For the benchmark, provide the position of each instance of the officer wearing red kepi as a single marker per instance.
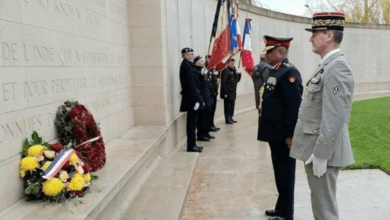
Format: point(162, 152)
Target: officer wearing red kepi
point(277, 118)
point(321, 137)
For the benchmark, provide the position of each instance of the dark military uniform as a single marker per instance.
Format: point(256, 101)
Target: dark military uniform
point(279, 112)
point(229, 80)
point(190, 96)
point(214, 93)
point(204, 114)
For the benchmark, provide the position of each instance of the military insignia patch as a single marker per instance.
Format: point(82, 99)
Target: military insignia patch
point(315, 80)
point(292, 79)
point(271, 81)
point(336, 89)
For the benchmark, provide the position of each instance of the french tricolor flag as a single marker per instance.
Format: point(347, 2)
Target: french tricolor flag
point(58, 163)
point(236, 42)
point(247, 58)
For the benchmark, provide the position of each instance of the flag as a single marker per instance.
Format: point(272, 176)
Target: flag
point(235, 35)
point(220, 35)
point(247, 58)
point(58, 163)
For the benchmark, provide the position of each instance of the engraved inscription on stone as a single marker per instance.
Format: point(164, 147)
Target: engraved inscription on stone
point(46, 55)
point(117, 9)
point(20, 128)
point(102, 103)
point(45, 87)
point(67, 9)
point(8, 90)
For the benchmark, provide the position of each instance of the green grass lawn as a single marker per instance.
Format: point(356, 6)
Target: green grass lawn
point(369, 130)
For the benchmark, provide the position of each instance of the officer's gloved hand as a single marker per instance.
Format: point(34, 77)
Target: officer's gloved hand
point(319, 165)
point(225, 96)
point(196, 107)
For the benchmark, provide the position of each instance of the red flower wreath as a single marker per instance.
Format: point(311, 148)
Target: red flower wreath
point(76, 124)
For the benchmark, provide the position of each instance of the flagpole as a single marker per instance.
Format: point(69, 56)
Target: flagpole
point(215, 25)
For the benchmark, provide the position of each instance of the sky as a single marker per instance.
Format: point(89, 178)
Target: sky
point(295, 7)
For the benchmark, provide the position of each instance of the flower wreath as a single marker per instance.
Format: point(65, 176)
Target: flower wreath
point(51, 172)
point(76, 125)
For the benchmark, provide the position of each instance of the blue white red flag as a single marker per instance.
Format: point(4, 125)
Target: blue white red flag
point(58, 163)
point(235, 34)
point(247, 58)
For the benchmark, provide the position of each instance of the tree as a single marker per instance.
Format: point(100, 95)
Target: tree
point(360, 11)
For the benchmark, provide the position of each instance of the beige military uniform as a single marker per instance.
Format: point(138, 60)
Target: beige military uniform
point(322, 127)
point(322, 130)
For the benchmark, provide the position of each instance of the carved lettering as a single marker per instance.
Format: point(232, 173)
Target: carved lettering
point(94, 58)
point(35, 89)
point(111, 80)
point(68, 85)
point(66, 56)
point(106, 102)
point(67, 9)
point(20, 128)
point(38, 53)
point(93, 19)
point(3, 133)
point(117, 9)
point(9, 91)
point(9, 51)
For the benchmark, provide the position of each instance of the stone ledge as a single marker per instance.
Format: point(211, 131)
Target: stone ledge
point(165, 192)
point(131, 158)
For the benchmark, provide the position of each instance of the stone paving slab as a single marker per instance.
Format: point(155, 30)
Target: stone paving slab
point(234, 181)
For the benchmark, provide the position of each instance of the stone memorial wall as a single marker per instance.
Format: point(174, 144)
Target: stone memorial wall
point(52, 51)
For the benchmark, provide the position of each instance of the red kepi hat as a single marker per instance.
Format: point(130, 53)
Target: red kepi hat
point(272, 42)
point(328, 21)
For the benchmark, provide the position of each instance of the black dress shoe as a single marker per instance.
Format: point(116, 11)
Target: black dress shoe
point(234, 121)
point(213, 129)
point(229, 122)
point(279, 218)
point(271, 212)
point(200, 147)
point(203, 139)
point(194, 149)
point(210, 137)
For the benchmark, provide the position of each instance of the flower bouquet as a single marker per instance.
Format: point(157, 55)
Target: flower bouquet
point(52, 172)
point(76, 125)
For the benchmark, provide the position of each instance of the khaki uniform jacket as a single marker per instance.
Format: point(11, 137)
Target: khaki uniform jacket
point(322, 127)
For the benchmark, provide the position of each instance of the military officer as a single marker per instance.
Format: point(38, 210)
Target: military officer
point(214, 94)
point(229, 79)
point(321, 137)
point(191, 97)
point(205, 91)
point(259, 75)
point(277, 119)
